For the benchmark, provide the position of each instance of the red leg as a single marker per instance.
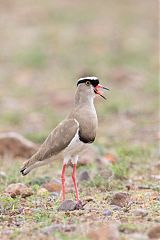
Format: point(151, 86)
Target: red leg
point(74, 181)
point(63, 182)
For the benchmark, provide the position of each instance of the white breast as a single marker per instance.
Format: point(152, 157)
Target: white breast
point(75, 146)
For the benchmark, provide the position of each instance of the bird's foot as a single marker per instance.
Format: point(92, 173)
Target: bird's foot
point(79, 205)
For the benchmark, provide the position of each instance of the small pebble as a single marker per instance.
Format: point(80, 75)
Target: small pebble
point(18, 189)
point(53, 186)
point(120, 199)
point(115, 208)
point(107, 212)
point(140, 213)
point(67, 205)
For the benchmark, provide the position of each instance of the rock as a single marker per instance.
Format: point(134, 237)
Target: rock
point(14, 144)
point(42, 192)
point(115, 208)
point(53, 186)
point(58, 227)
point(140, 213)
point(107, 212)
point(18, 189)
point(105, 232)
point(120, 199)
point(84, 176)
point(67, 205)
point(154, 232)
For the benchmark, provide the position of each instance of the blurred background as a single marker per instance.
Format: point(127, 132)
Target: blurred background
point(47, 45)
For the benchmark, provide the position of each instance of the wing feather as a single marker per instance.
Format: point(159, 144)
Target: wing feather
point(58, 139)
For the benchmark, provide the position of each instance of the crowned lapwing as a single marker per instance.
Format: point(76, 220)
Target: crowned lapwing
point(71, 136)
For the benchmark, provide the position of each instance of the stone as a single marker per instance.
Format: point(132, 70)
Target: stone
point(154, 232)
point(120, 199)
point(84, 176)
point(107, 212)
point(18, 189)
point(67, 205)
point(15, 145)
point(53, 186)
point(140, 213)
point(105, 232)
point(115, 208)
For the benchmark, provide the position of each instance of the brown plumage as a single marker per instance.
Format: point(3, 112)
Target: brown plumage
point(69, 138)
point(56, 142)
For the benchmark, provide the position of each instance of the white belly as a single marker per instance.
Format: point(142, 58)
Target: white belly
point(75, 146)
point(73, 149)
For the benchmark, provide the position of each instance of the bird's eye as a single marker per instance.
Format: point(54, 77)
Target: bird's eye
point(88, 83)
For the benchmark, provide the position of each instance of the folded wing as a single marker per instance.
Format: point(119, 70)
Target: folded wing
point(55, 143)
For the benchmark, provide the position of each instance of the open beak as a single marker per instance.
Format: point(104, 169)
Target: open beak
point(98, 91)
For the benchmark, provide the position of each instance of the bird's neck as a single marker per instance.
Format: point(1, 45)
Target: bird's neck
point(82, 100)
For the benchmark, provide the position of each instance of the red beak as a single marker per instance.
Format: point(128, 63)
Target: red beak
point(97, 91)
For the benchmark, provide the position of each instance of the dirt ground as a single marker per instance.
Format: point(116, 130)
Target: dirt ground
point(45, 47)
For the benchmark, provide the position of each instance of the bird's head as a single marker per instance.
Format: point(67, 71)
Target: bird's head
point(91, 86)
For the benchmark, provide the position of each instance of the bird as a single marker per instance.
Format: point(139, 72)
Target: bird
point(72, 135)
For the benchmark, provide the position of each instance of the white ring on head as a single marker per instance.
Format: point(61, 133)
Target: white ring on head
point(88, 78)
